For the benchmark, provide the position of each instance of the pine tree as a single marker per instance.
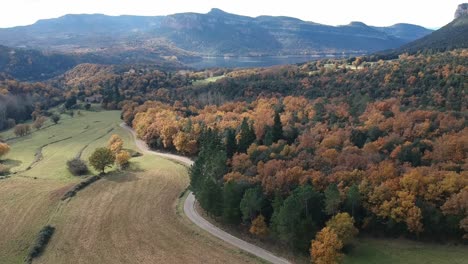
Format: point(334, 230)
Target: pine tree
point(353, 200)
point(268, 139)
point(277, 130)
point(251, 204)
point(211, 197)
point(332, 199)
point(247, 136)
point(231, 145)
point(232, 196)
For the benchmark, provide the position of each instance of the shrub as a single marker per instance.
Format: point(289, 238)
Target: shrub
point(39, 122)
point(4, 170)
point(22, 130)
point(41, 242)
point(55, 118)
point(80, 186)
point(4, 149)
point(77, 167)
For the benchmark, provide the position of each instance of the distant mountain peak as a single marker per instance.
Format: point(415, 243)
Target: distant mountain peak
point(357, 24)
point(462, 10)
point(217, 11)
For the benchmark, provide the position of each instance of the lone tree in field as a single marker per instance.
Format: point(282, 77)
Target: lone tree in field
point(101, 159)
point(22, 130)
point(4, 148)
point(55, 118)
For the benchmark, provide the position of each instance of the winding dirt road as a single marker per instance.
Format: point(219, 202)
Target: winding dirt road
point(192, 214)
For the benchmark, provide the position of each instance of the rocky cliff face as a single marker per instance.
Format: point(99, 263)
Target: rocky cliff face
point(462, 10)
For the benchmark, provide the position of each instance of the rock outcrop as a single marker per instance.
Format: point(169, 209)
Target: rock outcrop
point(462, 10)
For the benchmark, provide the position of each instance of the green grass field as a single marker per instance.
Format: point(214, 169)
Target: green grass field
point(387, 251)
point(207, 80)
point(89, 128)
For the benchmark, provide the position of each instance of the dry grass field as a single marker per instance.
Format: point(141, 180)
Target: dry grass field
point(126, 217)
point(131, 218)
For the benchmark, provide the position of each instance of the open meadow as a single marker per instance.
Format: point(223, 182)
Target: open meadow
point(126, 217)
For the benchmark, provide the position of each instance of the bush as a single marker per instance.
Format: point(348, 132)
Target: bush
point(4, 170)
point(77, 167)
point(55, 118)
point(80, 186)
point(22, 130)
point(4, 149)
point(41, 242)
point(39, 122)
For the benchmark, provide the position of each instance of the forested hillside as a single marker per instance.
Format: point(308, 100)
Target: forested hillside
point(435, 81)
point(19, 100)
point(288, 150)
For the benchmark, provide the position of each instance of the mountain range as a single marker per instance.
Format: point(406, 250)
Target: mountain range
point(451, 36)
point(217, 33)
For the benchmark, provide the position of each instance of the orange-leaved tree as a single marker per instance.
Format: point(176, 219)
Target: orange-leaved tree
point(122, 159)
point(115, 144)
point(325, 249)
point(4, 148)
point(343, 225)
point(259, 227)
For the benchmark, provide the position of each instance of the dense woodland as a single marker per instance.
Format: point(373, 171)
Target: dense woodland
point(285, 150)
point(19, 100)
point(434, 81)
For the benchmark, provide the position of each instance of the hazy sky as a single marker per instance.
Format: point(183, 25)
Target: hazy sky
point(428, 13)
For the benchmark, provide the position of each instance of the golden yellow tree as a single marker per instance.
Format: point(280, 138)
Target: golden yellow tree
point(4, 148)
point(122, 158)
point(115, 144)
point(343, 225)
point(259, 227)
point(325, 249)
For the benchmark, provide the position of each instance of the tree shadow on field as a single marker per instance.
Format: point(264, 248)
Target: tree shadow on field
point(122, 176)
point(11, 163)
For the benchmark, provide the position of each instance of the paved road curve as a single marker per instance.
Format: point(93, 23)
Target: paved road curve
point(192, 214)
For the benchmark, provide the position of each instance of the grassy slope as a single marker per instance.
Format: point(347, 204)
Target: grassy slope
point(125, 217)
point(27, 204)
point(84, 129)
point(130, 218)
